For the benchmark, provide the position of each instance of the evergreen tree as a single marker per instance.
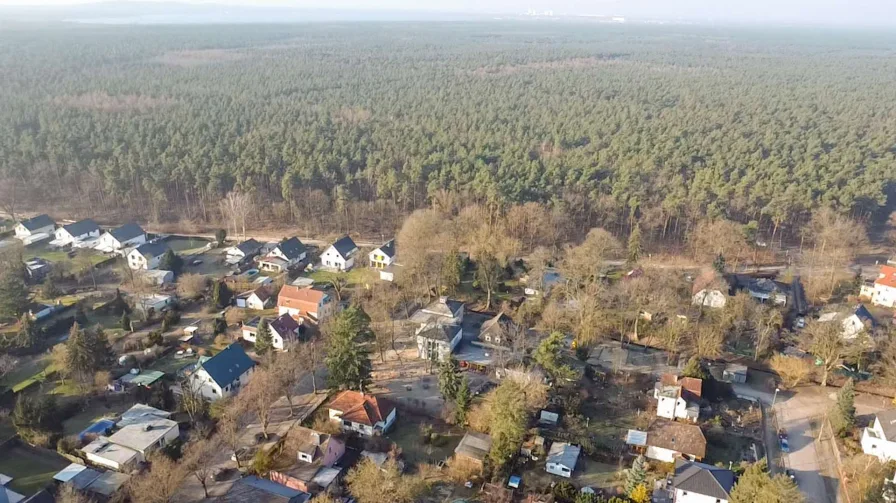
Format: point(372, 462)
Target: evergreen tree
point(347, 361)
point(634, 245)
point(171, 261)
point(462, 401)
point(719, 264)
point(125, 322)
point(220, 236)
point(843, 416)
point(220, 326)
point(263, 337)
point(27, 335)
point(449, 378)
point(452, 271)
point(13, 292)
point(756, 485)
point(694, 369)
point(221, 294)
point(548, 354)
point(636, 476)
point(49, 289)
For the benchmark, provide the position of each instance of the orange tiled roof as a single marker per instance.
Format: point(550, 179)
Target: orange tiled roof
point(304, 299)
point(362, 408)
point(887, 276)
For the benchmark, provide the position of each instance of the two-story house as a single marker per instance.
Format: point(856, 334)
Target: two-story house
point(306, 303)
point(701, 483)
point(35, 229)
point(284, 330)
point(678, 398)
point(436, 342)
point(883, 291)
point(224, 374)
point(498, 330)
point(285, 255)
point(340, 255)
point(243, 252)
point(361, 412)
point(443, 311)
point(879, 439)
point(316, 454)
point(117, 239)
point(384, 256)
point(80, 231)
point(147, 256)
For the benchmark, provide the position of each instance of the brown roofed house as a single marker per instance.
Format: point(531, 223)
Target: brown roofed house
point(669, 440)
point(305, 303)
point(367, 414)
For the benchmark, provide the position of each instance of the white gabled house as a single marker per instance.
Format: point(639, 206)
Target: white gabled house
point(258, 299)
point(147, 256)
point(71, 234)
point(678, 398)
point(562, 459)
point(117, 239)
point(224, 374)
point(879, 439)
point(384, 256)
point(285, 255)
point(284, 330)
point(438, 341)
point(244, 251)
point(701, 483)
point(35, 229)
point(883, 291)
point(361, 412)
point(340, 255)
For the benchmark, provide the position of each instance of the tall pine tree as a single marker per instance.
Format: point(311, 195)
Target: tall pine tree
point(13, 292)
point(263, 337)
point(636, 475)
point(449, 378)
point(843, 417)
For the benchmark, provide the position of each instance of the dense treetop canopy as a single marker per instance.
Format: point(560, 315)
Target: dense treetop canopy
point(664, 124)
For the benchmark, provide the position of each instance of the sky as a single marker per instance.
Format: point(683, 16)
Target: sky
point(835, 12)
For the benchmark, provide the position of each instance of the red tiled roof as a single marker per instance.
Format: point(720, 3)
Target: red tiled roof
point(362, 408)
point(691, 387)
point(887, 276)
point(304, 299)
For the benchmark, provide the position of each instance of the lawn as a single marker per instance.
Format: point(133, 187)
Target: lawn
point(186, 245)
point(56, 255)
point(95, 411)
point(170, 365)
point(723, 448)
point(30, 469)
point(356, 276)
point(35, 369)
point(407, 434)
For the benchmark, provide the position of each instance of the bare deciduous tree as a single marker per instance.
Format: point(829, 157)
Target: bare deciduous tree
point(159, 484)
point(235, 207)
point(199, 460)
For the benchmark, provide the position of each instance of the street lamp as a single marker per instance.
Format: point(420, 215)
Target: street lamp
point(775, 399)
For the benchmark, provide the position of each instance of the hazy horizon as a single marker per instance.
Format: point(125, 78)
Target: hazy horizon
point(803, 12)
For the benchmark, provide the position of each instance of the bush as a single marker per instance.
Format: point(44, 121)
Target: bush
point(68, 445)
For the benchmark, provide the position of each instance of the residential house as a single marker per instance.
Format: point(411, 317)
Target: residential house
point(147, 256)
point(678, 398)
point(152, 302)
point(252, 489)
point(340, 255)
point(306, 303)
point(879, 439)
point(701, 483)
point(764, 289)
point(117, 239)
point(438, 341)
point(853, 322)
point(474, 448)
point(562, 458)
point(104, 453)
point(669, 440)
point(735, 373)
point(287, 254)
point(224, 374)
point(384, 256)
point(710, 290)
point(258, 299)
point(145, 429)
point(498, 330)
point(243, 252)
point(71, 234)
point(37, 269)
point(361, 412)
point(884, 291)
point(284, 330)
point(97, 485)
point(35, 229)
point(156, 277)
point(443, 311)
point(549, 279)
point(315, 452)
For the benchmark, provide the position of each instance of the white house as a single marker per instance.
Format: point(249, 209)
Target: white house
point(438, 341)
point(670, 440)
point(880, 438)
point(35, 229)
point(117, 239)
point(361, 412)
point(340, 255)
point(104, 453)
point(82, 230)
point(147, 256)
point(443, 311)
point(678, 398)
point(243, 251)
point(285, 255)
point(151, 301)
point(306, 303)
point(884, 289)
point(562, 459)
point(710, 298)
point(384, 256)
point(258, 299)
point(145, 429)
point(700, 483)
point(855, 322)
point(284, 330)
point(224, 374)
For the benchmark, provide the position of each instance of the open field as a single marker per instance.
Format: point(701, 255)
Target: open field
point(30, 469)
point(35, 369)
point(56, 255)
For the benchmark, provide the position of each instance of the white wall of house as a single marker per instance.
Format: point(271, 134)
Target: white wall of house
point(884, 296)
point(691, 497)
point(208, 388)
point(279, 254)
point(332, 259)
point(108, 241)
point(558, 469)
point(874, 443)
point(253, 302)
point(23, 233)
point(137, 261)
point(661, 454)
point(671, 408)
point(64, 237)
point(379, 260)
point(101, 461)
point(445, 348)
point(380, 427)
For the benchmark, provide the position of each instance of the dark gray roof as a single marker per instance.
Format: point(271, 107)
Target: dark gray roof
point(150, 250)
point(291, 248)
point(440, 332)
point(82, 227)
point(474, 445)
point(255, 490)
point(127, 231)
point(37, 222)
point(228, 365)
point(887, 420)
point(865, 315)
point(703, 479)
point(249, 246)
point(345, 246)
point(501, 325)
point(388, 249)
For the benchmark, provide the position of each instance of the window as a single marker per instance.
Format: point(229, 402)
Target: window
point(346, 422)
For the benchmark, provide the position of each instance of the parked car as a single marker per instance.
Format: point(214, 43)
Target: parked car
point(785, 445)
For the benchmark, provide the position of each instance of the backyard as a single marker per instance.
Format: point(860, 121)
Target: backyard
point(95, 410)
point(31, 369)
point(30, 468)
point(408, 433)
